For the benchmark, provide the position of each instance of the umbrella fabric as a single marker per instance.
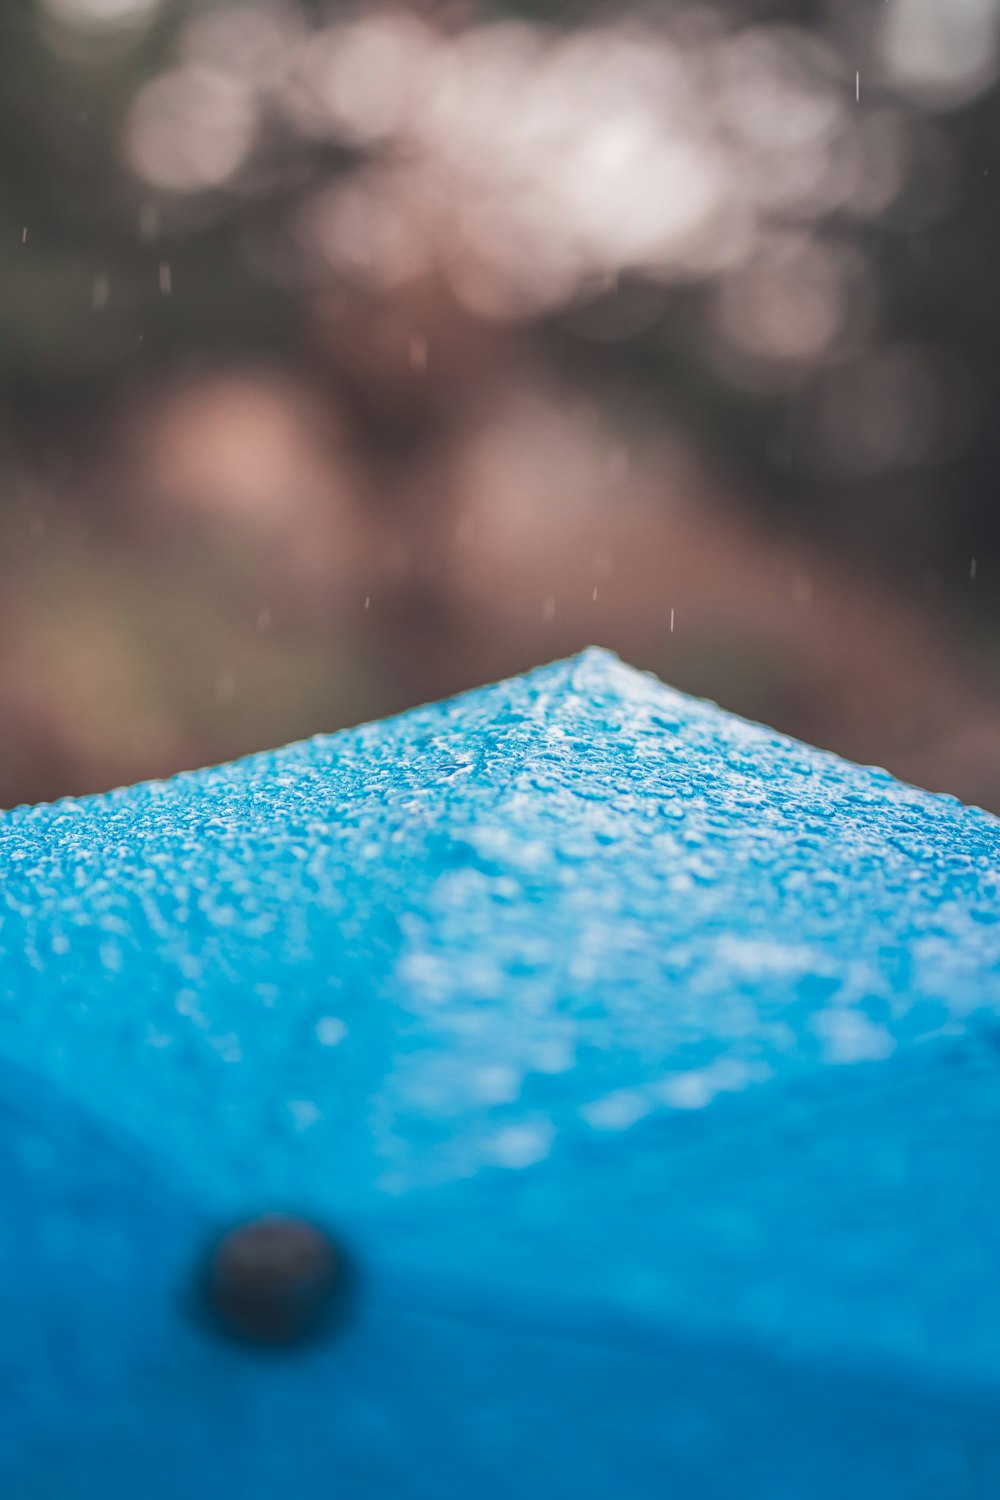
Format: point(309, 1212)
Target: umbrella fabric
point(646, 1062)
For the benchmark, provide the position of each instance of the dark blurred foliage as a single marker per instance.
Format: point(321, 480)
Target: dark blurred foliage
point(301, 303)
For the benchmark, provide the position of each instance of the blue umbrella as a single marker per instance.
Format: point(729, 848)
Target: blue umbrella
point(569, 1090)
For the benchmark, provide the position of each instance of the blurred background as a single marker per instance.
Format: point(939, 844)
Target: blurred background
point(351, 356)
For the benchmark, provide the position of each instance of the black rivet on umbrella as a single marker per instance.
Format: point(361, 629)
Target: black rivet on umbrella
point(276, 1280)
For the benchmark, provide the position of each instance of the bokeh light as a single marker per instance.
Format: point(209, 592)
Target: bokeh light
point(794, 301)
point(190, 129)
point(941, 55)
point(100, 15)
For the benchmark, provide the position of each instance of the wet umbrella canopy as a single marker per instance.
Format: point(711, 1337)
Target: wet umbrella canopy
point(568, 1090)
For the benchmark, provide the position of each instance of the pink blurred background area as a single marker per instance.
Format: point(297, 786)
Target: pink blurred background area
point(359, 356)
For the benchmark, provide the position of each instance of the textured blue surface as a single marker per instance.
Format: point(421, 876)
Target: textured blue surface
point(648, 1060)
